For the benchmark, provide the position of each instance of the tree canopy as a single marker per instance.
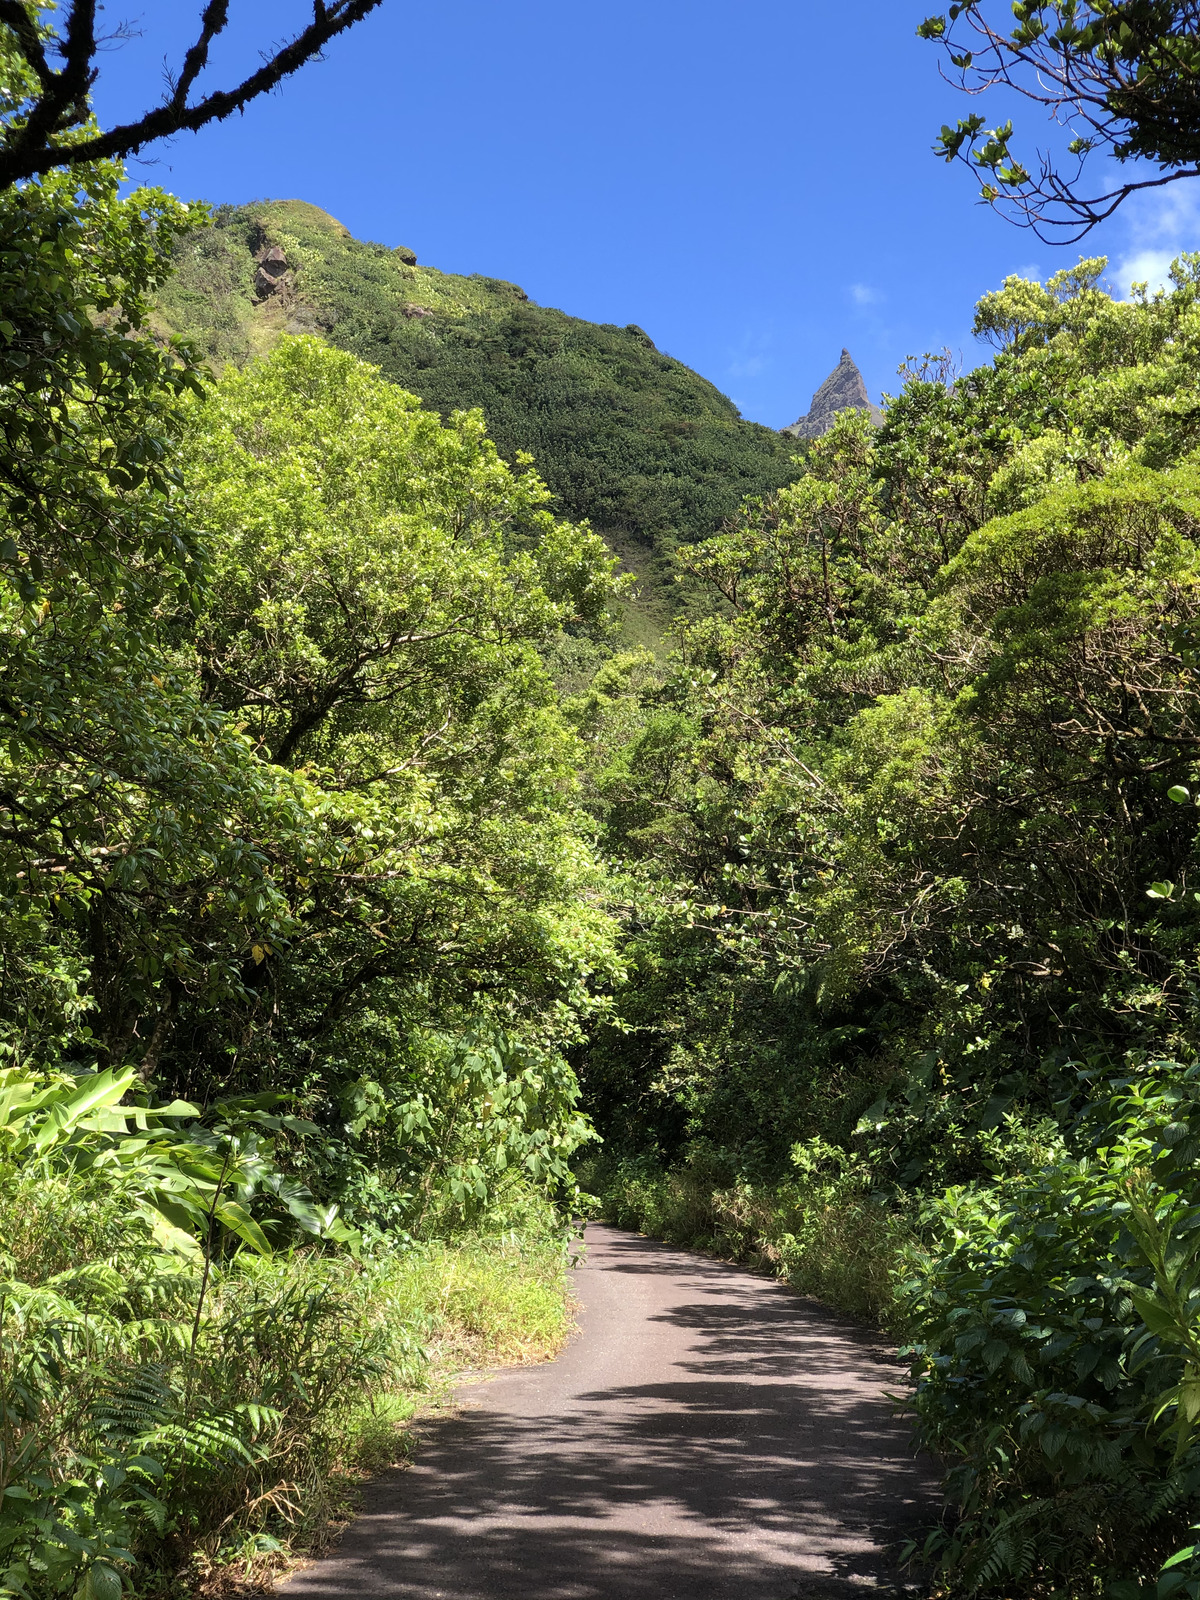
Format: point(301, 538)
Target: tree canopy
point(907, 835)
point(361, 895)
point(283, 761)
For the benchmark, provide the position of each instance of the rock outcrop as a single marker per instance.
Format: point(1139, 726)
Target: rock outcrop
point(271, 274)
point(843, 390)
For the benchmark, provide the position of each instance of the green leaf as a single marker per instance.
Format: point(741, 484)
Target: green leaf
point(238, 1220)
point(1158, 1317)
point(101, 1582)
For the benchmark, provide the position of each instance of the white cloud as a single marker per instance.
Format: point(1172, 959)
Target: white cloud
point(752, 355)
point(863, 295)
point(1031, 271)
point(1147, 266)
point(1161, 224)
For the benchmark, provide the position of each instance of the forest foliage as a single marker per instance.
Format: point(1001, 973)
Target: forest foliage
point(361, 893)
point(906, 839)
point(298, 911)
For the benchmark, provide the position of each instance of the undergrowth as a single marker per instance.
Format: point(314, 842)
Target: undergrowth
point(820, 1233)
point(159, 1432)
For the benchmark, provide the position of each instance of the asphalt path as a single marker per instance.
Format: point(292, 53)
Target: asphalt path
point(707, 1435)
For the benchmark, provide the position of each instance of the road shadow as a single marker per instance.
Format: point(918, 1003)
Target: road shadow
point(738, 1284)
point(761, 1464)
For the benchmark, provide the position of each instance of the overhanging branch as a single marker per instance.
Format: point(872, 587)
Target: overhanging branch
point(62, 94)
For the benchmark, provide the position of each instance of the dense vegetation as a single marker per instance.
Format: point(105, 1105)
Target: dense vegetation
point(627, 437)
point(907, 842)
point(298, 910)
point(353, 876)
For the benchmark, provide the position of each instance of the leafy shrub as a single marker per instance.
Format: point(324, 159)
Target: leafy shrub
point(1057, 1355)
point(131, 1446)
point(824, 1233)
point(170, 1396)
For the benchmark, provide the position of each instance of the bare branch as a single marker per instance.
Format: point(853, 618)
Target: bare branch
point(62, 101)
point(213, 22)
point(1116, 76)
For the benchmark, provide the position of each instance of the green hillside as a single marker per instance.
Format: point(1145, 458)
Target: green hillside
point(651, 452)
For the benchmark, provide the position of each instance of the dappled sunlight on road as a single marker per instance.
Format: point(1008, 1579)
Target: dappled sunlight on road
point(708, 1434)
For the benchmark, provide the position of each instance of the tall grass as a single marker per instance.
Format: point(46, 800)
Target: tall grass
point(822, 1234)
point(153, 1434)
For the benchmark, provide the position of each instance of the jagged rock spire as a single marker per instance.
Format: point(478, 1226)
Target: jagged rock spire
point(843, 390)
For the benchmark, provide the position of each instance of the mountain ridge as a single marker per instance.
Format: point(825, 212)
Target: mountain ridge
point(650, 452)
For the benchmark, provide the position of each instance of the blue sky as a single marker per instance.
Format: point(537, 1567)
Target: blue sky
point(751, 183)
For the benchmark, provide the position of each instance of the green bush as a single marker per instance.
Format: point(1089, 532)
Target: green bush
point(1057, 1357)
point(176, 1396)
point(824, 1233)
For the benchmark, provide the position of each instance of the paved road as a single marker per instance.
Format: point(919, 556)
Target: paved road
point(706, 1436)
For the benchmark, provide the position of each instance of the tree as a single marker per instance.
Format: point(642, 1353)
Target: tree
point(884, 775)
point(284, 786)
point(46, 119)
point(1121, 77)
point(114, 779)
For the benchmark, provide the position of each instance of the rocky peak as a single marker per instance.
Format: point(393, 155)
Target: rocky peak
point(843, 390)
